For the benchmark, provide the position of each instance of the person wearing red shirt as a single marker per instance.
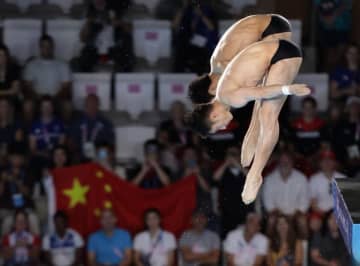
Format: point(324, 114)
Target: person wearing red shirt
point(21, 248)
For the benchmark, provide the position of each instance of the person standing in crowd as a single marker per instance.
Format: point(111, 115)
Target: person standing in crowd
point(47, 75)
point(320, 183)
point(106, 36)
point(230, 178)
point(154, 246)
point(246, 245)
point(285, 248)
point(328, 247)
point(195, 37)
point(47, 131)
point(65, 246)
point(152, 174)
point(21, 247)
point(10, 132)
point(199, 246)
point(286, 189)
point(191, 165)
point(16, 189)
point(92, 128)
point(109, 246)
point(308, 128)
point(345, 79)
point(10, 75)
point(333, 30)
point(175, 125)
point(351, 136)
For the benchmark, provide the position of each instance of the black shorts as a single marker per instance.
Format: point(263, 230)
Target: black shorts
point(286, 50)
point(278, 24)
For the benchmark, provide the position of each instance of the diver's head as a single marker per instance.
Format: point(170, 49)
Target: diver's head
point(202, 90)
point(209, 118)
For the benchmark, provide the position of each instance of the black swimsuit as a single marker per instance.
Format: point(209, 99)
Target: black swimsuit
point(278, 24)
point(286, 50)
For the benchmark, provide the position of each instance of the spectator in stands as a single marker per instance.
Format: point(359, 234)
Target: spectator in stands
point(175, 126)
point(65, 246)
point(10, 132)
point(328, 248)
point(47, 131)
point(334, 138)
point(16, 187)
point(106, 36)
point(10, 75)
point(195, 37)
point(105, 156)
point(154, 246)
point(46, 75)
point(92, 128)
point(345, 79)
point(110, 245)
point(152, 174)
point(246, 245)
point(320, 183)
point(21, 247)
point(199, 246)
point(285, 248)
point(286, 189)
point(27, 115)
point(230, 177)
point(333, 29)
point(191, 165)
point(351, 136)
point(308, 131)
point(60, 157)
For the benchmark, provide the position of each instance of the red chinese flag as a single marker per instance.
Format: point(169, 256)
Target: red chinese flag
point(84, 190)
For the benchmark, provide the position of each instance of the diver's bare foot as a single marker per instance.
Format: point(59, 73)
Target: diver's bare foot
point(251, 188)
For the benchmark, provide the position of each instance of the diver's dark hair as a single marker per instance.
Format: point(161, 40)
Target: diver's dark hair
point(198, 120)
point(199, 90)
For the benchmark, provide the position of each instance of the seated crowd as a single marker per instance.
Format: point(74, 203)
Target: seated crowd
point(292, 223)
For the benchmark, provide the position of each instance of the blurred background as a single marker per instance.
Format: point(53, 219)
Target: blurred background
point(103, 83)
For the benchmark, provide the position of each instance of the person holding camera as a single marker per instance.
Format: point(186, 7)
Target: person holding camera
point(152, 174)
point(230, 177)
point(154, 246)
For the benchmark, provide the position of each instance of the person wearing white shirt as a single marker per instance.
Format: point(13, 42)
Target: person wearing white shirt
point(154, 247)
point(246, 246)
point(320, 183)
point(286, 189)
point(46, 75)
point(64, 247)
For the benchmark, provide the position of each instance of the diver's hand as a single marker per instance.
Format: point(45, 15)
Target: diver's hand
point(298, 89)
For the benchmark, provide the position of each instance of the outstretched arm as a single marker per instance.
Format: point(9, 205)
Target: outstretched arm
point(241, 96)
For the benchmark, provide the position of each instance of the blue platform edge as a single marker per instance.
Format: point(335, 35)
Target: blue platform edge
point(349, 231)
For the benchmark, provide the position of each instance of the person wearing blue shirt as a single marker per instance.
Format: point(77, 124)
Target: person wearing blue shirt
point(345, 79)
point(109, 246)
point(91, 129)
point(47, 132)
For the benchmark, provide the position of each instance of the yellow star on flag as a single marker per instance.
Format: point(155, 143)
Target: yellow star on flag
point(99, 174)
point(77, 193)
point(107, 188)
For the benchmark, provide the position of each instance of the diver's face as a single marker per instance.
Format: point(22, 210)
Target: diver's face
point(220, 117)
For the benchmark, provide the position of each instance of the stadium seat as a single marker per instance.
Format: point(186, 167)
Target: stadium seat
point(65, 5)
point(94, 83)
point(224, 25)
point(66, 34)
point(296, 26)
point(173, 87)
point(135, 93)
point(130, 140)
point(149, 4)
point(22, 37)
point(152, 39)
point(319, 84)
point(23, 5)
